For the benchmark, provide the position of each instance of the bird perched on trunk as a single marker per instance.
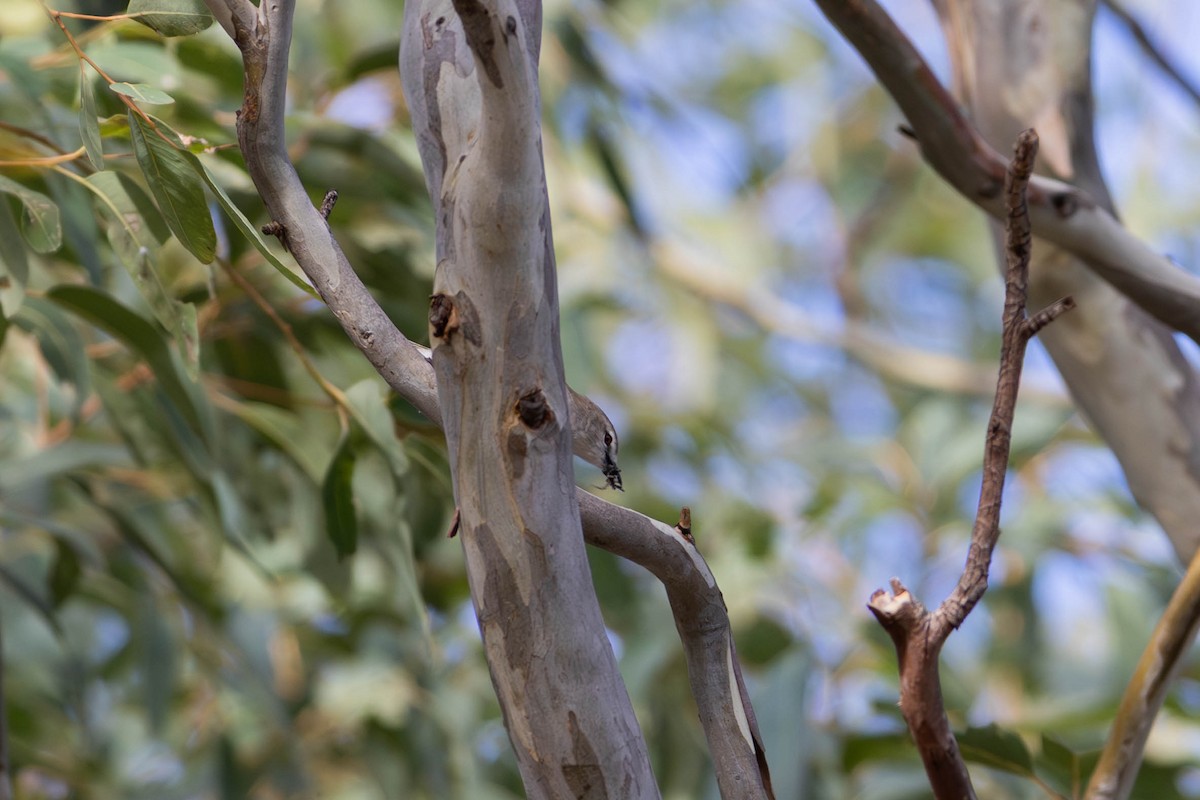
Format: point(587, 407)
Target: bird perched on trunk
point(593, 437)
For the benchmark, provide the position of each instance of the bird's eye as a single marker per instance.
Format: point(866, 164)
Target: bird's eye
point(607, 439)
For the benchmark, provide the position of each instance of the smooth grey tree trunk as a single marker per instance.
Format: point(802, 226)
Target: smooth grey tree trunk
point(470, 77)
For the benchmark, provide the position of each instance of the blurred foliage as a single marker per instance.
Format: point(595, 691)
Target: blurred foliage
point(219, 580)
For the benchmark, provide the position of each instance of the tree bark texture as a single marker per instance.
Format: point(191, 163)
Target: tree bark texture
point(1027, 63)
point(470, 76)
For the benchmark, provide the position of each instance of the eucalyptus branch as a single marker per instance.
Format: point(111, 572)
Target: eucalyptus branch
point(1061, 214)
point(1153, 50)
point(701, 617)
point(1144, 694)
point(917, 633)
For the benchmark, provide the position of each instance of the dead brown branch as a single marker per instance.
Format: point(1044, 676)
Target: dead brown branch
point(917, 633)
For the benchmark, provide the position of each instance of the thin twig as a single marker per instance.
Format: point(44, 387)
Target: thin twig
point(1018, 246)
point(335, 394)
point(34, 135)
point(79, 52)
point(917, 633)
point(46, 161)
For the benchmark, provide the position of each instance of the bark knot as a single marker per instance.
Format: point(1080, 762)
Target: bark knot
point(443, 319)
point(1065, 204)
point(533, 409)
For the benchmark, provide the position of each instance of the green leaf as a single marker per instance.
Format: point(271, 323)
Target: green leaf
point(140, 336)
point(759, 643)
point(1062, 767)
point(89, 124)
point(35, 601)
point(14, 264)
point(143, 93)
point(234, 781)
point(996, 748)
point(81, 541)
point(64, 573)
point(72, 455)
point(337, 497)
point(368, 404)
point(253, 234)
point(285, 430)
point(171, 17)
point(156, 662)
point(136, 231)
point(174, 182)
point(134, 61)
point(60, 343)
point(40, 221)
point(187, 338)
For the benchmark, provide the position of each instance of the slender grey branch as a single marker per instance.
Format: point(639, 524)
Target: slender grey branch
point(1153, 50)
point(1160, 662)
point(730, 726)
point(305, 232)
point(1060, 213)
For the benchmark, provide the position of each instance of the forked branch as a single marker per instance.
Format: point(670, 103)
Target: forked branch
point(917, 633)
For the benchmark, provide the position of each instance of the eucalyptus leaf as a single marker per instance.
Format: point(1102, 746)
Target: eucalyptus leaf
point(171, 17)
point(368, 404)
point(252, 234)
point(60, 344)
point(14, 263)
point(286, 431)
point(156, 661)
point(143, 338)
point(40, 223)
point(71, 456)
point(997, 748)
point(64, 575)
point(176, 185)
point(143, 93)
point(337, 496)
point(136, 232)
point(89, 120)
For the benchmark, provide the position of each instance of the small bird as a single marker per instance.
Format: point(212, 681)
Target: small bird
point(593, 436)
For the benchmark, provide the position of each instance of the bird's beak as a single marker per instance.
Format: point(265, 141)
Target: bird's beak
point(612, 473)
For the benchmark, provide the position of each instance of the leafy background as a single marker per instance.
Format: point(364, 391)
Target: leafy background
point(790, 319)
